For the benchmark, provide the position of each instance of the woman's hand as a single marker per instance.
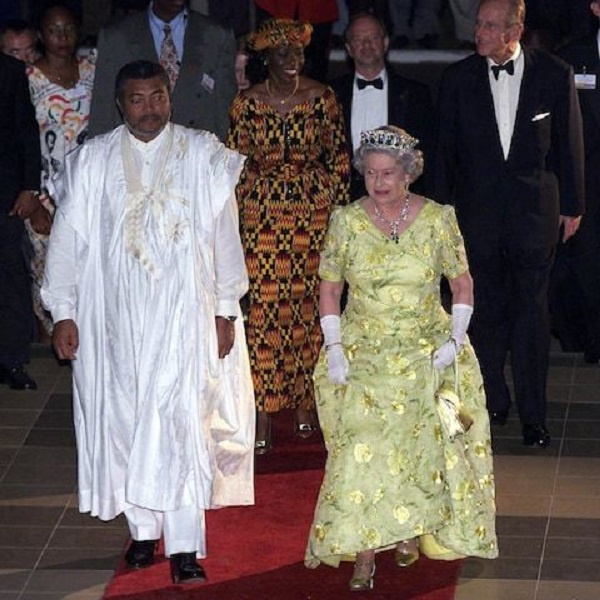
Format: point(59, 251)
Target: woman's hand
point(337, 365)
point(445, 355)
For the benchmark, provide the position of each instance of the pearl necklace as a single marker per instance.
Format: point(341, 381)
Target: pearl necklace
point(284, 100)
point(394, 235)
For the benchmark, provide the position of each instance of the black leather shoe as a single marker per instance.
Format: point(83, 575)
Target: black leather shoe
point(536, 435)
point(17, 378)
point(141, 553)
point(498, 417)
point(185, 568)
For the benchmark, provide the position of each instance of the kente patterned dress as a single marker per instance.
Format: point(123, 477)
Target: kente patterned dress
point(62, 116)
point(392, 474)
point(297, 170)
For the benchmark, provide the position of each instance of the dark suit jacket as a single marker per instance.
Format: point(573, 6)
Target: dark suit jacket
point(20, 166)
point(209, 50)
point(518, 199)
point(583, 57)
point(409, 107)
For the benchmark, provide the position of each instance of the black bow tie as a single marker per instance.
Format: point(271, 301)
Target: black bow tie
point(509, 67)
point(363, 83)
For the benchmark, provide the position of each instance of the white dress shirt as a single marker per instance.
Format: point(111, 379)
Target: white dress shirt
point(369, 108)
point(157, 27)
point(506, 90)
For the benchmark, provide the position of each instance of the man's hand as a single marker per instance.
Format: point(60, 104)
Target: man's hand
point(65, 339)
point(570, 226)
point(41, 221)
point(26, 204)
point(225, 335)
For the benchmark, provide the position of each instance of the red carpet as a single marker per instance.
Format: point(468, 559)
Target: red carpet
point(256, 553)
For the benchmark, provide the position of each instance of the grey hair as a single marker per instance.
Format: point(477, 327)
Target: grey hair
point(410, 159)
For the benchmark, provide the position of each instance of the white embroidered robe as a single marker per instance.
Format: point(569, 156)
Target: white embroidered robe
point(157, 413)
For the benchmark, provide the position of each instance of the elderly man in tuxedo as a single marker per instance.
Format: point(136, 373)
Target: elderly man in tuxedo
point(198, 55)
point(373, 94)
point(510, 158)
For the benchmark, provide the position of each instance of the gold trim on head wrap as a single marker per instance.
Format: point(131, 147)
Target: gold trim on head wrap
point(279, 32)
point(386, 138)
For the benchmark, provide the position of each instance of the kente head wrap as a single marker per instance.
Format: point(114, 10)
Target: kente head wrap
point(279, 32)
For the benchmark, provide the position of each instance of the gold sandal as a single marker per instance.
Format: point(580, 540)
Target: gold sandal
point(407, 552)
point(363, 576)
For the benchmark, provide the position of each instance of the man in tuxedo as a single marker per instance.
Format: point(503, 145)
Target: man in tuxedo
point(374, 95)
point(510, 158)
point(578, 318)
point(198, 54)
point(20, 170)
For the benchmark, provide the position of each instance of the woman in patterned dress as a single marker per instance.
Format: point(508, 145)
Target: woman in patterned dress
point(291, 129)
point(60, 85)
point(394, 478)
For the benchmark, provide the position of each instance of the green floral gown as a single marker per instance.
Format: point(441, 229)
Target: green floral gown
point(391, 472)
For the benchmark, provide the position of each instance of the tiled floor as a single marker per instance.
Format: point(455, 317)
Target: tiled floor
point(549, 512)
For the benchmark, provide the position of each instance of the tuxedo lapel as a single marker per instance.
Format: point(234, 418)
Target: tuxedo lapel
point(345, 92)
point(482, 102)
point(530, 104)
point(396, 100)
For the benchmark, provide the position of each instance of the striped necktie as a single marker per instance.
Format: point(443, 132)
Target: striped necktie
point(168, 56)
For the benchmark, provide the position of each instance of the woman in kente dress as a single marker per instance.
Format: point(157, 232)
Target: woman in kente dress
point(394, 478)
point(60, 85)
point(291, 129)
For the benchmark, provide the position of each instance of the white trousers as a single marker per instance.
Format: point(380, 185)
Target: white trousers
point(184, 529)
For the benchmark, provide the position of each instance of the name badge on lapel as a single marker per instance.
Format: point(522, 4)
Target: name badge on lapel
point(208, 83)
point(585, 81)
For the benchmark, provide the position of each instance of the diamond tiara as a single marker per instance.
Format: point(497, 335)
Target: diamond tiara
point(384, 138)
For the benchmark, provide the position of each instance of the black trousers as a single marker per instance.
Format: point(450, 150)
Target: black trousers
point(511, 314)
point(16, 313)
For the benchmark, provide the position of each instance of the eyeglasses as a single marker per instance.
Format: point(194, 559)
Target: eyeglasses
point(383, 174)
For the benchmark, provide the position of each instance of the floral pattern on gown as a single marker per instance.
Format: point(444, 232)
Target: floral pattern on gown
point(297, 170)
point(62, 116)
point(391, 472)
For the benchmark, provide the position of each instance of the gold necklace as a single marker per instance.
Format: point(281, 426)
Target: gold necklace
point(284, 100)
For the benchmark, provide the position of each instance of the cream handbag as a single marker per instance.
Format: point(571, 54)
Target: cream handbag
point(455, 419)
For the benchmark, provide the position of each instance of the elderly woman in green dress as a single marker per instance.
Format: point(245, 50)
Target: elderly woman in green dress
point(394, 477)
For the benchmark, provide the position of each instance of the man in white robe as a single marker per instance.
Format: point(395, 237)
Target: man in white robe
point(144, 274)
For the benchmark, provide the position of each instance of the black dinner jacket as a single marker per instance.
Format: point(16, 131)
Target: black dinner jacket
point(409, 107)
point(20, 165)
point(583, 57)
point(519, 199)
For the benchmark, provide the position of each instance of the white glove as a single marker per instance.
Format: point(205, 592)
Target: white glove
point(337, 363)
point(446, 354)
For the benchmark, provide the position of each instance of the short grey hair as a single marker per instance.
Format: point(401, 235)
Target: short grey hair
point(394, 142)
